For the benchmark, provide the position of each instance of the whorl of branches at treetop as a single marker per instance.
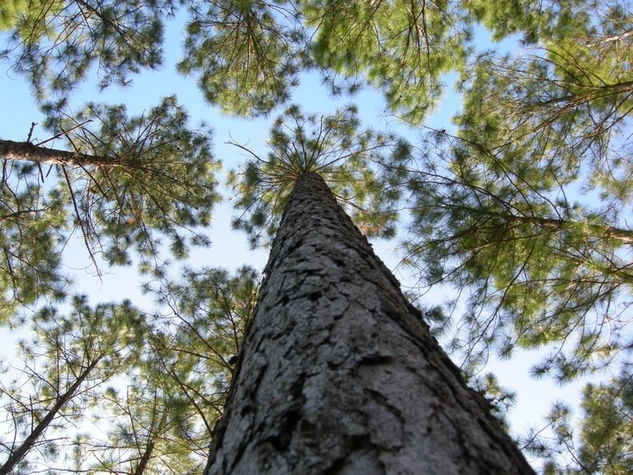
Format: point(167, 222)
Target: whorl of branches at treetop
point(350, 160)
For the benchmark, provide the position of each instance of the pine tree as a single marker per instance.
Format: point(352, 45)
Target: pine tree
point(337, 371)
point(538, 263)
point(125, 183)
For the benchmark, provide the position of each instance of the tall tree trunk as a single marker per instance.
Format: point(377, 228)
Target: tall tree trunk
point(339, 374)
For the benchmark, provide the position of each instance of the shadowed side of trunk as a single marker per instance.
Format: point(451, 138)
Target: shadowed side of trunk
point(338, 374)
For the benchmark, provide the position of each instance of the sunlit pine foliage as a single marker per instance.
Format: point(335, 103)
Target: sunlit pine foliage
point(56, 43)
point(401, 47)
point(248, 53)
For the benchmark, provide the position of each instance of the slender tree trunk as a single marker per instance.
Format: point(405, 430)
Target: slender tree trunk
point(147, 454)
point(10, 150)
point(339, 374)
point(28, 443)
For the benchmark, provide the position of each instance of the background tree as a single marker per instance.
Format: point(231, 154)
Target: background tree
point(607, 427)
point(160, 182)
point(249, 53)
point(152, 428)
point(601, 443)
point(127, 183)
point(540, 267)
point(72, 355)
point(168, 376)
point(160, 414)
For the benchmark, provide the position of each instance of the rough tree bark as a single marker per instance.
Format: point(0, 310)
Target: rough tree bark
point(339, 375)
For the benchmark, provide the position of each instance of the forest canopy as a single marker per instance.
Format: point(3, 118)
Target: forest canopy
point(516, 208)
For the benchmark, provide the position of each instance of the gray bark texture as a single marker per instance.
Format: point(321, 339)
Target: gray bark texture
point(339, 375)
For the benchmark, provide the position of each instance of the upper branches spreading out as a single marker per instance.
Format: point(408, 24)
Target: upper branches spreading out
point(348, 159)
point(403, 47)
point(55, 43)
point(248, 53)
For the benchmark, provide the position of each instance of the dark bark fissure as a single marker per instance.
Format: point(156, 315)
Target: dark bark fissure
point(338, 373)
